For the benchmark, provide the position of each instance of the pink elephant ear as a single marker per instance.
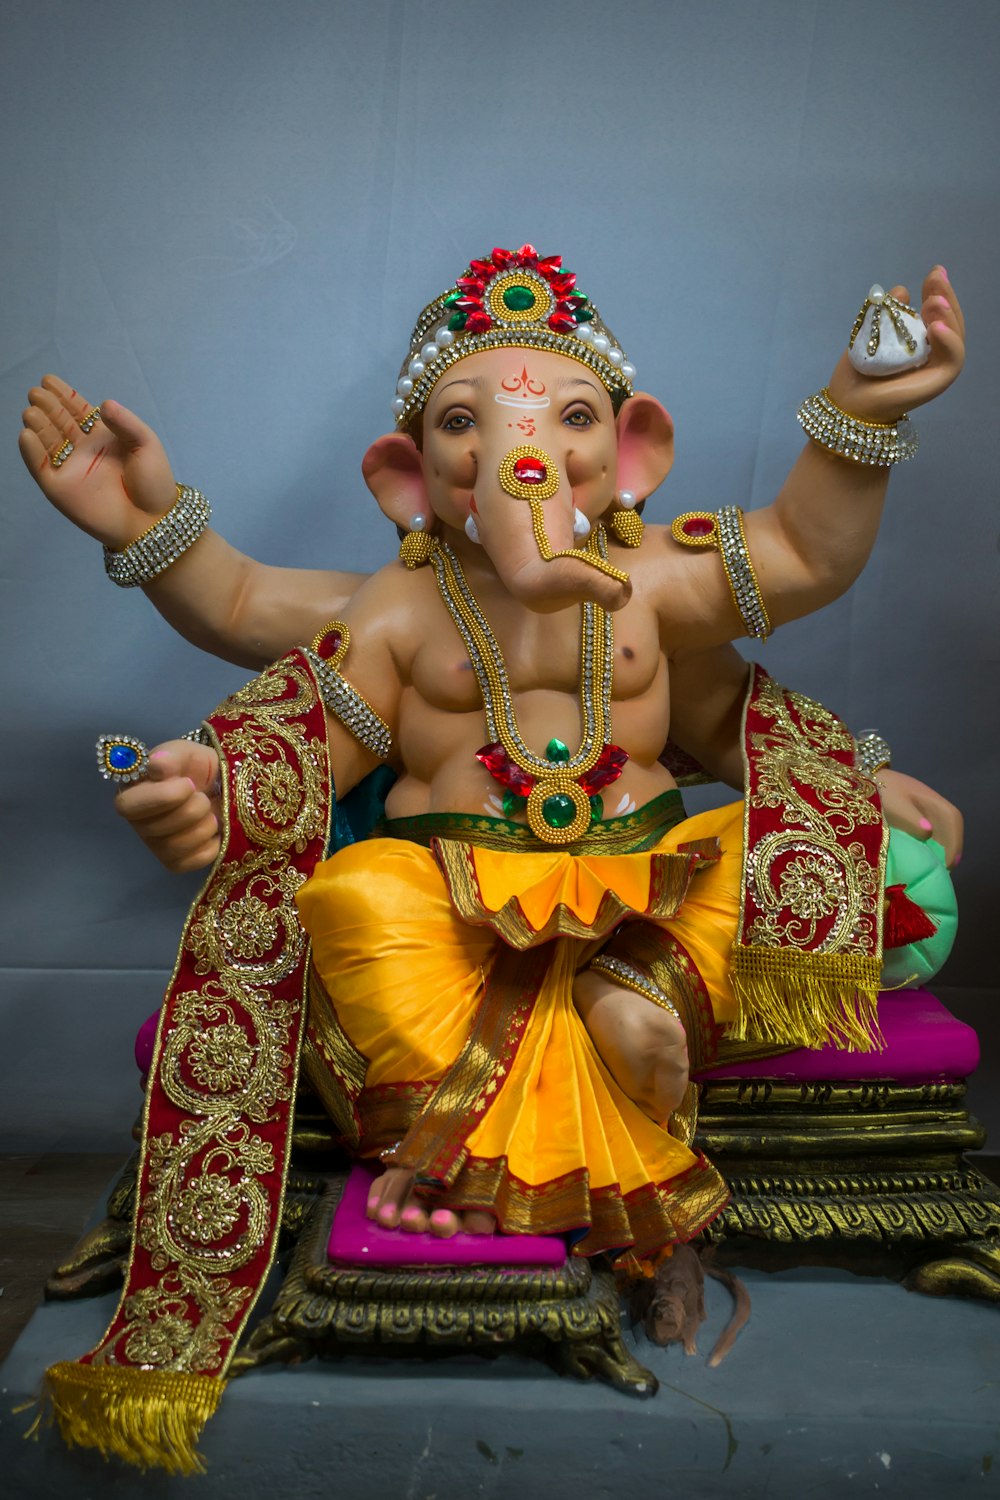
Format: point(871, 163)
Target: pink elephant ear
point(645, 444)
point(394, 472)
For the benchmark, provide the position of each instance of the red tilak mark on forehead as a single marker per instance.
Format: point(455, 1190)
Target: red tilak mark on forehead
point(98, 456)
point(524, 384)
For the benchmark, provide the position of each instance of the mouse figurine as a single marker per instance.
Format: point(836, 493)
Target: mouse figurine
point(671, 1304)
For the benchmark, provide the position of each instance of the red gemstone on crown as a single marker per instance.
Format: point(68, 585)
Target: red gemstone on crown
point(530, 470)
point(329, 645)
point(698, 526)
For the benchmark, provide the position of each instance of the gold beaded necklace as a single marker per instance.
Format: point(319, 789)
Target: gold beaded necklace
point(560, 787)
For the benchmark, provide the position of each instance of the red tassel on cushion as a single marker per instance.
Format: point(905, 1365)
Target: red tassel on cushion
point(905, 921)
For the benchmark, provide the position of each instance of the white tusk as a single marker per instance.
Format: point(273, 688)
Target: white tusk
point(581, 526)
point(472, 530)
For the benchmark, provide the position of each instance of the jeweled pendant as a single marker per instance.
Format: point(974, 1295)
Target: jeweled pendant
point(558, 810)
point(121, 758)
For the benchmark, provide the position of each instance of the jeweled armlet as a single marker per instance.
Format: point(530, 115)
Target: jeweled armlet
point(326, 651)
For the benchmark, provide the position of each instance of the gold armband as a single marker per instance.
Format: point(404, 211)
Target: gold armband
point(724, 532)
point(326, 652)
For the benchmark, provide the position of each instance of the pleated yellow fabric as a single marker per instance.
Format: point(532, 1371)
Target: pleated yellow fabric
point(560, 1147)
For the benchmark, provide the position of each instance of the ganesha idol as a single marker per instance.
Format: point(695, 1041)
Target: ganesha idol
point(500, 983)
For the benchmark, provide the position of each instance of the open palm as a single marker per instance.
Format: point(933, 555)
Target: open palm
point(117, 480)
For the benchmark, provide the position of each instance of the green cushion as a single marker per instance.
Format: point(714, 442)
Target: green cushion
point(918, 864)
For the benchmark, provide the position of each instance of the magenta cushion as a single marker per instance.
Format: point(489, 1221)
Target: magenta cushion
point(356, 1241)
point(923, 1042)
point(145, 1041)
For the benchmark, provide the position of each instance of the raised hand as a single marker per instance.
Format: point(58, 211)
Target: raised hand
point(116, 482)
point(175, 810)
point(885, 399)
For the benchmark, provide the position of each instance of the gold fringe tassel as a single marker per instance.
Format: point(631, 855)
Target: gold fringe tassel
point(806, 999)
point(149, 1418)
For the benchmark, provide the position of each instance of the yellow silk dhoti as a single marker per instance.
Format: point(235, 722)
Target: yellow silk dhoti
point(443, 1036)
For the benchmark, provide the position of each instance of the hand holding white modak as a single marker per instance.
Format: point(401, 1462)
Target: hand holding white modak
point(900, 390)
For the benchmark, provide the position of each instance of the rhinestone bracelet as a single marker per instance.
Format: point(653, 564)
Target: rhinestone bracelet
point(616, 968)
point(354, 711)
point(165, 541)
point(871, 752)
point(199, 736)
point(740, 573)
point(880, 443)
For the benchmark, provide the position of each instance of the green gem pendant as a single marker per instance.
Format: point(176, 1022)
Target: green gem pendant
point(519, 298)
point(559, 810)
point(558, 751)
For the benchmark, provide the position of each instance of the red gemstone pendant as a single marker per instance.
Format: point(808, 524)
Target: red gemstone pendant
point(329, 645)
point(698, 526)
point(530, 471)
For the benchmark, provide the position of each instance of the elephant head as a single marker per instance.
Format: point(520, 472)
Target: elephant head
point(520, 451)
point(514, 363)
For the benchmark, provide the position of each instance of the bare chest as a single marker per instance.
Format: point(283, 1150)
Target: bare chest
point(538, 653)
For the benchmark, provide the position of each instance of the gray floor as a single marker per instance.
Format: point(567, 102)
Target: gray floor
point(839, 1386)
point(46, 1199)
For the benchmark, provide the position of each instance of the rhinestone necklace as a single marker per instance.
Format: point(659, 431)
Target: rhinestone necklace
point(559, 787)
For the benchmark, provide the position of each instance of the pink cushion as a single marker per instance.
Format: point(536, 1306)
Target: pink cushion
point(356, 1241)
point(923, 1043)
point(145, 1041)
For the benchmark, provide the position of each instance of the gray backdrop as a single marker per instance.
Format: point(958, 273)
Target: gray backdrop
point(227, 213)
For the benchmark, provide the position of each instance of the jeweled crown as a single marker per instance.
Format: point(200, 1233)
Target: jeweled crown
point(511, 299)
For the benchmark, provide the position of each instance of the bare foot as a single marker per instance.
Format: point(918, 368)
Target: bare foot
point(643, 1046)
point(393, 1204)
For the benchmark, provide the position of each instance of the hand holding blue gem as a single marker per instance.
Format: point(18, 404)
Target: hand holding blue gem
point(121, 758)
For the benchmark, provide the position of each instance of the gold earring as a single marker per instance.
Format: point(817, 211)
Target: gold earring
point(624, 523)
point(418, 546)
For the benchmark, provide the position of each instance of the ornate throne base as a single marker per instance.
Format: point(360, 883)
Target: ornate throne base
point(834, 1158)
point(570, 1315)
point(858, 1159)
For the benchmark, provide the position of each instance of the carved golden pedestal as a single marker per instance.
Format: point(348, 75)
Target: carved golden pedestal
point(569, 1317)
point(870, 1175)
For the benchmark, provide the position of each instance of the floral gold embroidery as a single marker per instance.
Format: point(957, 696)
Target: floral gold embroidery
point(221, 1058)
point(249, 927)
point(807, 960)
point(218, 1111)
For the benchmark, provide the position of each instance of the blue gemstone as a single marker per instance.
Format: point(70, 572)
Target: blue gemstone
point(122, 757)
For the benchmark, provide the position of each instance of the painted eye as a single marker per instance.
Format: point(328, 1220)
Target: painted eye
point(459, 421)
point(578, 418)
